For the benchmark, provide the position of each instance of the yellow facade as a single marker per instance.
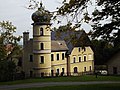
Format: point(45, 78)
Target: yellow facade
point(60, 64)
point(82, 59)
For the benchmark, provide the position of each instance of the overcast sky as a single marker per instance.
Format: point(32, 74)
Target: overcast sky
point(15, 11)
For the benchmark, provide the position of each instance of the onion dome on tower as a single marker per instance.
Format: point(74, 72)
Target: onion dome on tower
point(41, 16)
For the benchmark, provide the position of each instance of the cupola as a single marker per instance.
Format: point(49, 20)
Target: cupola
point(41, 16)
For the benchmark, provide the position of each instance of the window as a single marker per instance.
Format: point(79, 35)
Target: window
point(90, 56)
point(57, 56)
point(79, 59)
point(79, 49)
point(41, 59)
point(84, 69)
point(75, 70)
point(84, 49)
point(31, 58)
point(58, 71)
point(74, 60)
point(63, 70)
point(63, 56)
point(84, 58)
point(52, 57)
point(90, 68)
point(41, 31)
point(41, 46)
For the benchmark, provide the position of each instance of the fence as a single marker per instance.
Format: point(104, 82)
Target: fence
point(59, 74)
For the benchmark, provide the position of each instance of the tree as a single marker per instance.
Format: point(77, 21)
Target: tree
point(102, 51)
point(110, 10)
point(7, 70)
point(110, 14)
point(7, 38)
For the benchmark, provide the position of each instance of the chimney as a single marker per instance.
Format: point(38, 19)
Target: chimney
point(25, 37)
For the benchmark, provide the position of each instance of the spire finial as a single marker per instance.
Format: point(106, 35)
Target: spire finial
point(41, 4)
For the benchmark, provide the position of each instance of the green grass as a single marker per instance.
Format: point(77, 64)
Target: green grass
point(64, 79)
point(79, 87)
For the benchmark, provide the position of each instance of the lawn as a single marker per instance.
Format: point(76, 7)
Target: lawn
point(64, 79)
point(79, 87)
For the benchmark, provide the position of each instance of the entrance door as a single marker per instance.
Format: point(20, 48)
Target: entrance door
point(75, 70)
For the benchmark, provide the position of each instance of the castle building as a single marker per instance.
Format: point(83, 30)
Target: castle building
point(50, 54)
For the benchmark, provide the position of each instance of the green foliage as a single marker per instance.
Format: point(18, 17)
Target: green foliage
point(102, 51)
point(110, 30)
point(72, 7)
point(3, 53)
point(7, 30)
point(7, 66)
point(7, 37)
point(108, 14)
point(7, 70)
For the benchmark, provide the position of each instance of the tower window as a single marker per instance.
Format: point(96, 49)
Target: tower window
point(41, 46)
point(41, 31)
point(41, 59)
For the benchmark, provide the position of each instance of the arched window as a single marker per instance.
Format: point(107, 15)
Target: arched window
point(75, 70)
point(41, 46)
point(85, 58)
point(41, 31)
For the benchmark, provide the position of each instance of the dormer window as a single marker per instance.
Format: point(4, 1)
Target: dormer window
point(41, 31)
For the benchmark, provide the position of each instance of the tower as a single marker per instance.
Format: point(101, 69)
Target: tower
point(41, 42)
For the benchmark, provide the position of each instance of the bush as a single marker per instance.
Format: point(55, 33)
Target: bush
point(7, 70)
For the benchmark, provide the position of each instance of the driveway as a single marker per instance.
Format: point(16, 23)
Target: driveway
point(29, 85)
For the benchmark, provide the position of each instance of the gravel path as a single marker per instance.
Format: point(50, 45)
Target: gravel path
point(29, 85)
